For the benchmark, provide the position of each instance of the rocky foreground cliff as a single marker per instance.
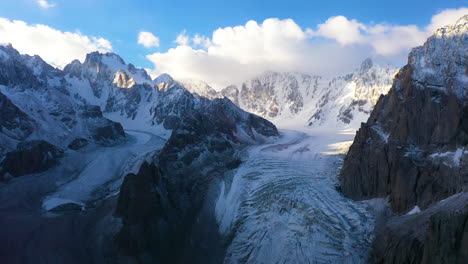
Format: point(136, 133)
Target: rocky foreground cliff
point(414, 150)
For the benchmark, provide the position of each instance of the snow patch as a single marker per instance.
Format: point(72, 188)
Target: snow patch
point(413, 211)
point(113, 61)
point(450, 158)
point(53, 202)
point(379, 130)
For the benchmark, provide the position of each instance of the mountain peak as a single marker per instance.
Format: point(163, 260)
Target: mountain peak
point(8, 50)
point(440, 57)
point(366, 64)
point(109, 59)
point(164, 81)
point(163, 78)
point(462, 20)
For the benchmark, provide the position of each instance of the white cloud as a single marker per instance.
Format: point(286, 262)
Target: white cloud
point(147, 39)
point(201, 41)
point(45, 4)
point(182, 38)
point(446, 17)
point(337, 46)
point(236, 53)
point(386, 40)
point(54, 46)
point(341, 29)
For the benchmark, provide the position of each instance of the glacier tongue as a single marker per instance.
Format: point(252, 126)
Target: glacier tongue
point(282, 205)
point(94, 174)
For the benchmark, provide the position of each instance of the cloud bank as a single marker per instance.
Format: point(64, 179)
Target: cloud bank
point(56, 47)
point(233, 54)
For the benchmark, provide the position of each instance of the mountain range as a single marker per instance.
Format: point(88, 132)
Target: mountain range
point(143, 170)
point(299, 99)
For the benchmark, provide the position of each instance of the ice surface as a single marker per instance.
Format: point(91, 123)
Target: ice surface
point(98, 172)
point(52, 203)
point(282, 205)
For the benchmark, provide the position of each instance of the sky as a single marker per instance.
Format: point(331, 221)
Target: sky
point(224, 42)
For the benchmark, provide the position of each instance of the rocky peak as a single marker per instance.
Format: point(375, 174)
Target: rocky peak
point(200, 88)
point(371, 80)
point(109, 59)
point(8, 50)
point(34, 63)
point(74, 69)
point(366, 65)
point(164, 82)
point(441, 63)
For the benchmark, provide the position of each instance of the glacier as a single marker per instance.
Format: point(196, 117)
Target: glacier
point(282, 205)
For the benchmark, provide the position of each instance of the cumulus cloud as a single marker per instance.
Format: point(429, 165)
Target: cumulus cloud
point(147, 39)
point(337, 46)
point(182, 38)
point(45, 4)
point(445, 17)
point(385, 39)
point(201, 41)
point(56, 47)
point(341, 29)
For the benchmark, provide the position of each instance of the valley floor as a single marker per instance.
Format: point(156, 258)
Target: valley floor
point(282, 205)
point(90, 177)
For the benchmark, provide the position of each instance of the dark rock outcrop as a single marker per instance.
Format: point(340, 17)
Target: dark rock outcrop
point(30, 157)
point(108, 133)
point(78, 143)
point(437, 235)
point(145, 227)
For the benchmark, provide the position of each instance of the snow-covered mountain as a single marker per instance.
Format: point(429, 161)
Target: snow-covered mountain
point(36, 104)
point(302, 99)
point(129, 96)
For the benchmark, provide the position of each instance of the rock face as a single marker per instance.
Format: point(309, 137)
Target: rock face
point(172, 197)
point(15, 125)
point(305, 99)
point(139, 206)
point(30, 157)
point(414, 149)
point(437, 235)
point(414, 145)
point(78, 143)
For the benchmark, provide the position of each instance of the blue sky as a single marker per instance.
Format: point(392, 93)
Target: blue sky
point(120, 21)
